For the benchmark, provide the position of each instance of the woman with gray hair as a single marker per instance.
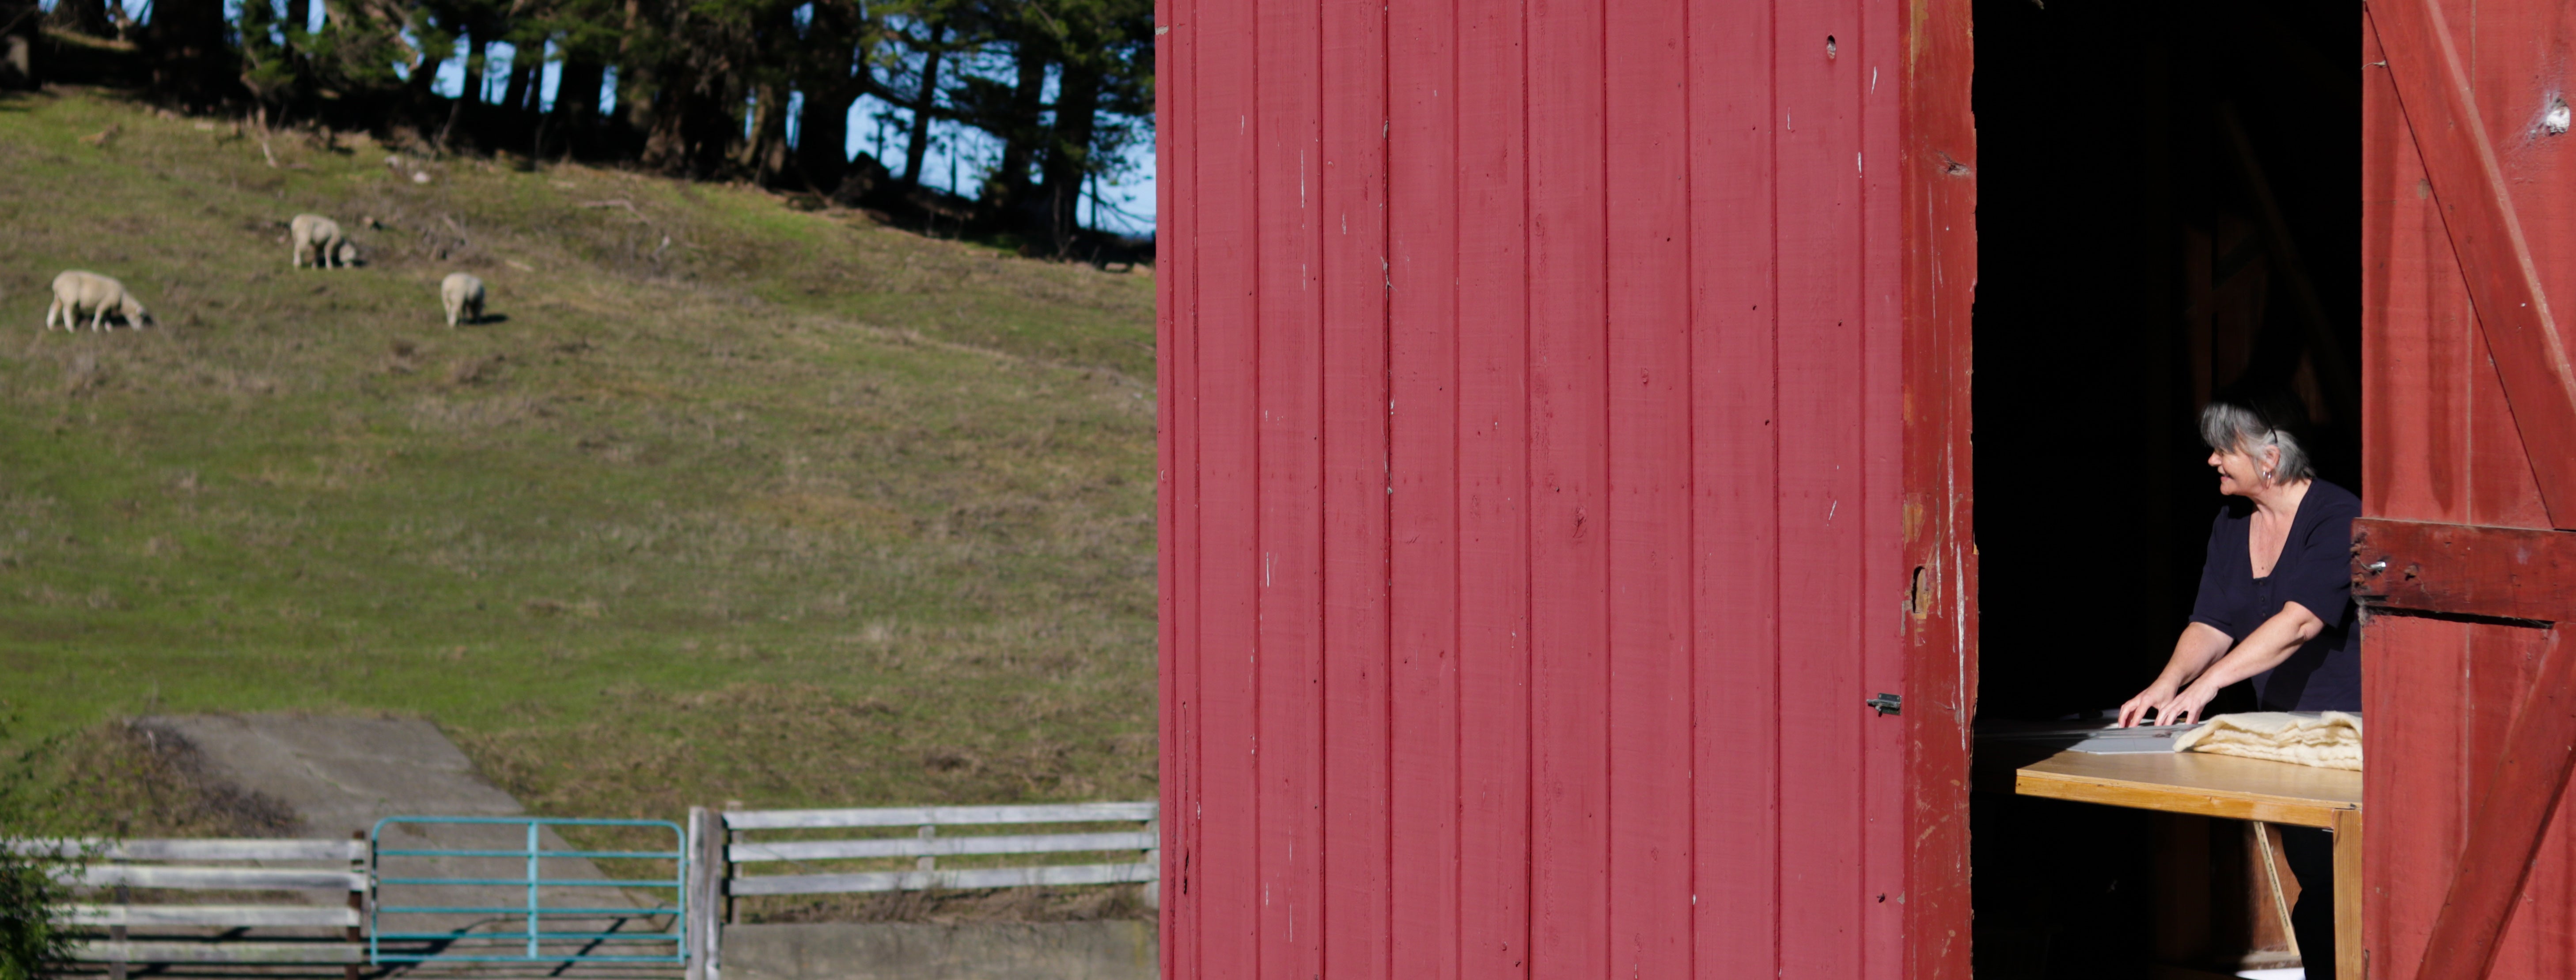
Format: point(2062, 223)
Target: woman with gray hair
point(2275, 603)
point(2275, 607)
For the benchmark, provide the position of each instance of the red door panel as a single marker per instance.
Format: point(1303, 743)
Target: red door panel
point(2469, 224)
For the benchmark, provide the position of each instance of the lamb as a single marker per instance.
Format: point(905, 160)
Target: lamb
point(76, 292)
point(462, 294)
point(320, 239)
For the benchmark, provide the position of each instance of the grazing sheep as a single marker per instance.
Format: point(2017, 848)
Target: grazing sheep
point(463, 296)
point(320, 239)
point(76, 292)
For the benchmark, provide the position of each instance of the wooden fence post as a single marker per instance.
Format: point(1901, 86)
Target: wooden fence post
point(116, 934)
point(1153, 889)
point(707, 872)
point(692, 900)
point(357, 903)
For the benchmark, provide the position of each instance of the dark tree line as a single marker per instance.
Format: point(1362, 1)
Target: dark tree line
point(709, 89)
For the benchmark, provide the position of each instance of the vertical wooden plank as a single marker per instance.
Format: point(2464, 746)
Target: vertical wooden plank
point(1223, 260)
point(1287, 116)
point(1735, 490)
point(1568, 512)
point(1424, 511)
point(2417, 342)
point(2501, 664)
point(2500, 60)
point(1351, 180)
point(1492, 507)
point(1177, 488)
point(1822, 522)
point(2501, 488)
point(1870, 64)
point(1648, 488)
point(2413, 781)
point(2516, 54)
point(2416, 346)
point(1936, 523)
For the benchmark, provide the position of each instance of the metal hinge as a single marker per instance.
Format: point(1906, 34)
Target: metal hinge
point(1886, 704)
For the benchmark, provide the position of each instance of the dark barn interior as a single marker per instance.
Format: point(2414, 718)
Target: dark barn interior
point(2168, 207)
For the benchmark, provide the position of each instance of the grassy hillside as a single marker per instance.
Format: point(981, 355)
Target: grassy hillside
point(730, 501)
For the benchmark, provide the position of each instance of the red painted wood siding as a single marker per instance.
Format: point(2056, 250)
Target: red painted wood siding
point(2441, 445)
point(1558, 401)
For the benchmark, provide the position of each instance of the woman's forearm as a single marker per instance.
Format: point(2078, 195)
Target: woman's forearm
point(2199, 646)
point(2269, 645)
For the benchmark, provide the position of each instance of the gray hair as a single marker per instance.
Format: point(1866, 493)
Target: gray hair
point(2234, 427)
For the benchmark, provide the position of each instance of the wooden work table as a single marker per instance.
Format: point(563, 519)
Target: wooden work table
point(2231, 788)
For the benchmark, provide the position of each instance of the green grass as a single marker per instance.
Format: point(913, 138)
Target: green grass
point(793, 509)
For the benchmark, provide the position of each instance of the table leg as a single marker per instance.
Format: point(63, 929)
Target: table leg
point(2349, 954)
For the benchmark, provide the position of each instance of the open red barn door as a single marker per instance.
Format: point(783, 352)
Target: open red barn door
point(1565, 558)
point(2467, 556)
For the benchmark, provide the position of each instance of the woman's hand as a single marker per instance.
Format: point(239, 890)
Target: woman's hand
point(2184, 708)
point(2155, 697)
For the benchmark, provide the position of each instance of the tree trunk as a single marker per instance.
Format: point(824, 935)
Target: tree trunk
point(524, 61)
point(776, 49)
point(1068, 158)
point(769, 159)
point(1022, 135)
point(299, 19)
point(698, 120)
point(923, 102)
point(666, 144)
point(823, 122)
point(823, 138)
point(190, 61)
point(639, 79)
point(576, 115)
point(471, 93)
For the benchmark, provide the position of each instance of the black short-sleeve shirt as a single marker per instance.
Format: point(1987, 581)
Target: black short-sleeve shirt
point(2315, 571)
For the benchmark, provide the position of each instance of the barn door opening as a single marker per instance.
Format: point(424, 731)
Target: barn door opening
point(2166, 213)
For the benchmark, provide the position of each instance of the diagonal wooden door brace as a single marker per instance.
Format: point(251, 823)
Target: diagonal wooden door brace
point(2477, 212)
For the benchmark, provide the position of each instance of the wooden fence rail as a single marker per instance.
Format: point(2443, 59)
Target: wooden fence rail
point(716, 847)
point(724, 853)
point(112, 867)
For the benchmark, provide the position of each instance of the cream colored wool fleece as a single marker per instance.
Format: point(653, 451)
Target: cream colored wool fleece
point(2331, 739)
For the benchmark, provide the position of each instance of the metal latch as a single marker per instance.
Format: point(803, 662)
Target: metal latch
point(1886, 704)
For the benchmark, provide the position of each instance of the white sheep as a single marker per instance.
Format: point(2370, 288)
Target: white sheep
point(320, 239)
point(462, 294)
point(77, 292)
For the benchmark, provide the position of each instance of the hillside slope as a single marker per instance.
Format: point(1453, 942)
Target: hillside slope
point(728, 501)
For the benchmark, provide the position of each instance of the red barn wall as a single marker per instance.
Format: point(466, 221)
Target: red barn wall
point(1563, 434)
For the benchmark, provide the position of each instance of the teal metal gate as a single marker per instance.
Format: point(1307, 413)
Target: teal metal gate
point(476, 919)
